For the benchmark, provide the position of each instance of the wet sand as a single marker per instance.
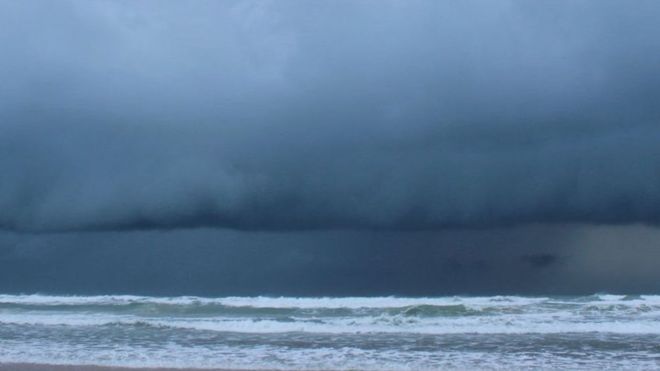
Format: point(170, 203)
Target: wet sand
point(47, 367)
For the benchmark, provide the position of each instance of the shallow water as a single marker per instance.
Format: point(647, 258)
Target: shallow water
point(500, 332)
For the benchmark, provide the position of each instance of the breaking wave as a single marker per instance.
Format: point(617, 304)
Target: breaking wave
point(500, 314)
point(596, 331)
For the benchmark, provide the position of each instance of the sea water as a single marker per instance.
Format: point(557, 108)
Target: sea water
point(373, 333)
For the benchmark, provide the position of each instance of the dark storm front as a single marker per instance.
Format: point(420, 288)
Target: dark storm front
point(538, 260)
point(323, 177)
point(297, 115)
point(599, 331)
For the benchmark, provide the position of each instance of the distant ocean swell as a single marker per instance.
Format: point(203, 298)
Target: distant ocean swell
point(598, 331)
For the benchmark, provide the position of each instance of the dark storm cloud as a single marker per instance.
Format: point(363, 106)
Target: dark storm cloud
point(297, 115)
point(540, 260)
point(558, 259)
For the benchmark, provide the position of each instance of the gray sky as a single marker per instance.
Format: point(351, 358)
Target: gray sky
point(393, 118)
point(297, 115)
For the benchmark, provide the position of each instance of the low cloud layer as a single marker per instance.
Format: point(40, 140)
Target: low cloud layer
point(303, 115)
point(526, 260)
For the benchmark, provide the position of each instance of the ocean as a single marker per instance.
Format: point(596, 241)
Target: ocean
point(370, 333)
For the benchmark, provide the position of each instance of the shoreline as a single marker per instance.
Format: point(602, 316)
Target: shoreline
point(60, 367)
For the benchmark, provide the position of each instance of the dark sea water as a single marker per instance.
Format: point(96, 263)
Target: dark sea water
point(499, 332)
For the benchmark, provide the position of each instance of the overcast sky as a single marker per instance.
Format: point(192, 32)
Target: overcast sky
point(444, 120)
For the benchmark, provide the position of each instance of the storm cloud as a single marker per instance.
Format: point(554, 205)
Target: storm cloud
point(293, 115)
point(529, 260)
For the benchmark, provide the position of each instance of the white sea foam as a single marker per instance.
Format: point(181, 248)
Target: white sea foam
point(266, 302)
point(630, 319)
point(333, 333)
point(321, 302)
point(344, 358)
